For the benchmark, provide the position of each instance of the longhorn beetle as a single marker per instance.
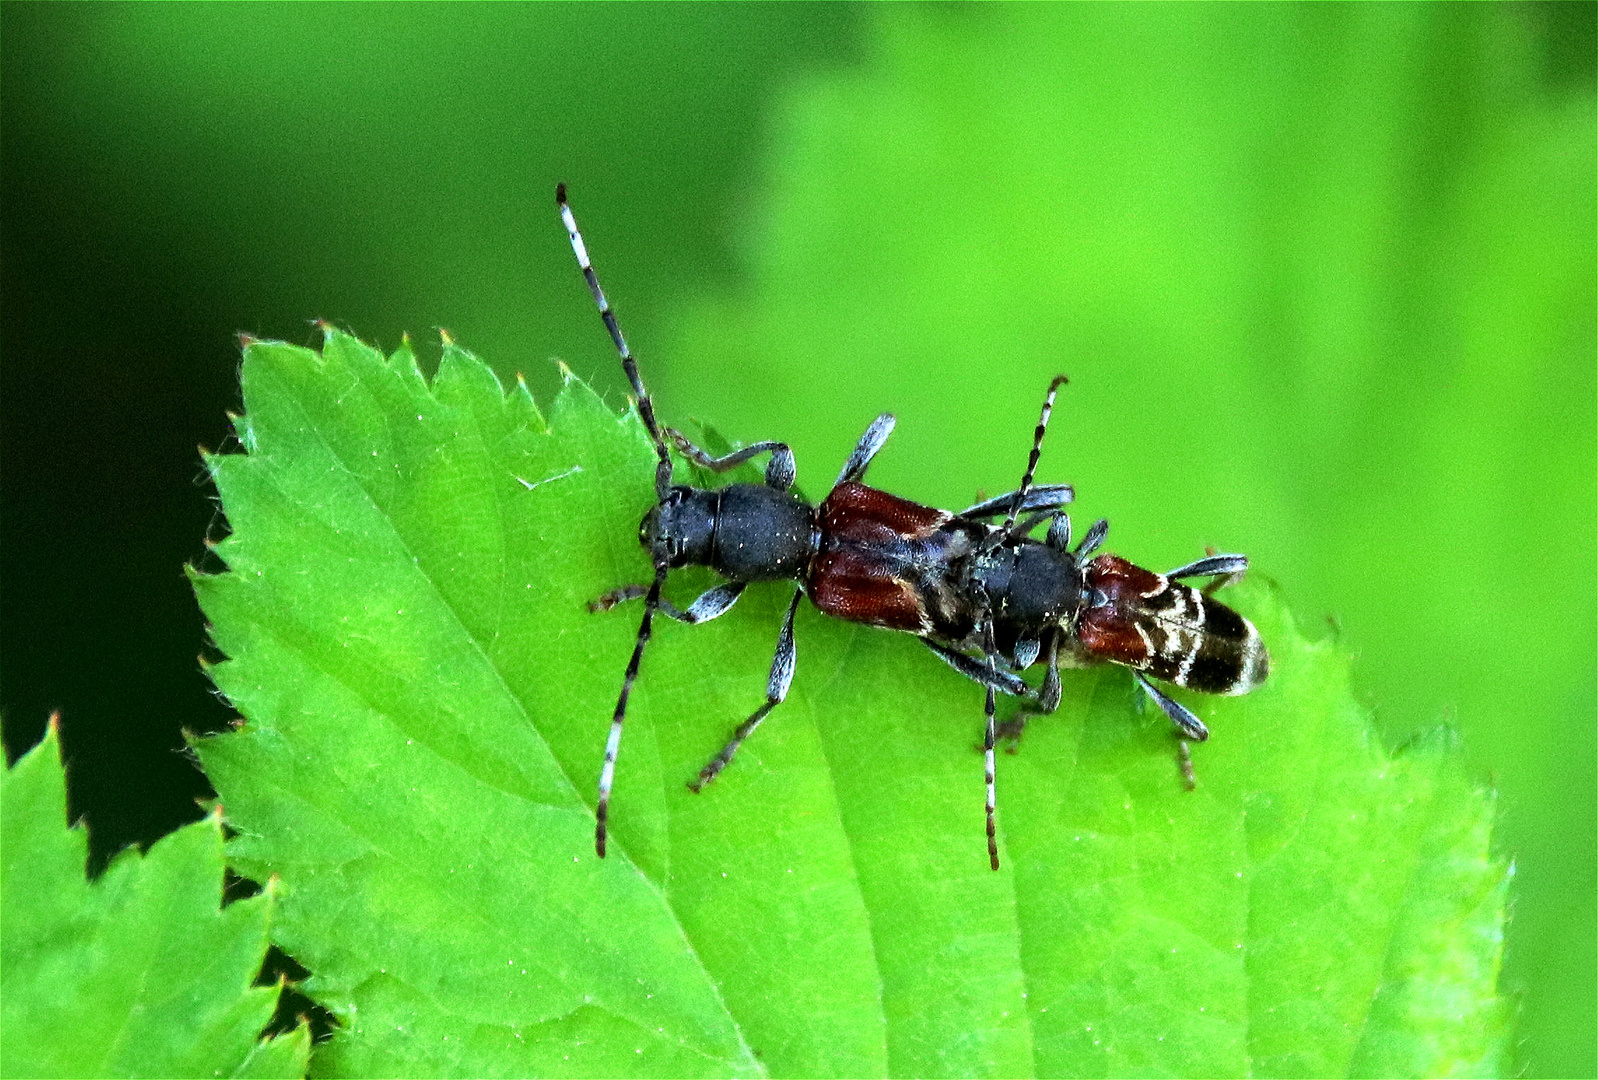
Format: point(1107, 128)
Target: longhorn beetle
point(863, 555)
point(997, 595)
point(1046, 601)
point(976, 594)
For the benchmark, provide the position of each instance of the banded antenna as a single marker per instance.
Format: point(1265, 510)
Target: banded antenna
point(1003, 533)
point(646, 413)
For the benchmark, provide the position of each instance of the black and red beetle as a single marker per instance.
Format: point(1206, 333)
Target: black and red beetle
point(988, 599)
point(766, 532)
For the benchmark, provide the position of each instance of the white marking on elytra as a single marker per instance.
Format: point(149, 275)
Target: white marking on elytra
point(1148, 646)
point(1191, 653)
point(1254, 655)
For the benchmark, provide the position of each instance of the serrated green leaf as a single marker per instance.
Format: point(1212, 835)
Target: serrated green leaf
point(427, 700)
point(139, 973)
point(1323, 279)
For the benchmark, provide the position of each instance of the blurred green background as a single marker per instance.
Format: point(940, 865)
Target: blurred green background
point(1322, 276)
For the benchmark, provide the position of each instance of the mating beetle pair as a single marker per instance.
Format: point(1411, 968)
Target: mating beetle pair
point(988, 599)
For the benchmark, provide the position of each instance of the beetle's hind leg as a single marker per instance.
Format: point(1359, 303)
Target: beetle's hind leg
point(1222, 570)
point(1184, 761)
point(1189, 728)
point(777, 683)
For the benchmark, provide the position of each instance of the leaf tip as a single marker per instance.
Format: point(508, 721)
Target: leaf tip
point(336, 341)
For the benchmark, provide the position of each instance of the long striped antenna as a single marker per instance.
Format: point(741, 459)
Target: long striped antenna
point(989, 736)
point(994, 539)
point(646, 413)
point(646, 407)
point(607, 772)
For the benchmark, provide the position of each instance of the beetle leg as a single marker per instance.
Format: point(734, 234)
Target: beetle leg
point(709, 604)
point(782, 665)
point(780, 470)
point(1191, 726)
point(854, 470)
point(978, 672)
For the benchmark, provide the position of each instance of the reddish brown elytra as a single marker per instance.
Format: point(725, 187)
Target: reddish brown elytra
point(864, 555)
point(989, 600)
